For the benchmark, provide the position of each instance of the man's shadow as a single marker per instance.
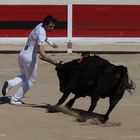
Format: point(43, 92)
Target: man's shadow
point(5, 100)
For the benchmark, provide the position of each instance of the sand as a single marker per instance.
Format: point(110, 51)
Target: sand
point(31, 121)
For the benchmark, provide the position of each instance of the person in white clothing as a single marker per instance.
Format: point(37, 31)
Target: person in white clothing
point(28, 60)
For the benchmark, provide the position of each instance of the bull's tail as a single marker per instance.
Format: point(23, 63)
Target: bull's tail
point(127, 82)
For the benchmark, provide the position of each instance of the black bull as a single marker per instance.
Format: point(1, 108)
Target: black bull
point(94, 77)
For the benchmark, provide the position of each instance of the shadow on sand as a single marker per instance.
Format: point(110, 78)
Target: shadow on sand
point(4, 100)
point(92, 118)
point(72, 112)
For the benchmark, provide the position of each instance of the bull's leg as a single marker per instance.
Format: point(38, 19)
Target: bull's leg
point(94, 101)
point(63, 98)
point(112, 103)
point(71, 102)
point(93, 104)
point(61, 101)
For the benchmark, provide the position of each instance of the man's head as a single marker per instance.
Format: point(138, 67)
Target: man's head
point(49, 23)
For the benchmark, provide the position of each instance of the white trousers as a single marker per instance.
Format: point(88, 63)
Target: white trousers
point(28, 69)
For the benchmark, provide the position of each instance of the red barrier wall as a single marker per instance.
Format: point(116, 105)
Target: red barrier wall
point(88, 20)
point(106, 20)
point(18, 20)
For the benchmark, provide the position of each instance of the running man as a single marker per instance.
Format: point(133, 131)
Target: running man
point(28, 60)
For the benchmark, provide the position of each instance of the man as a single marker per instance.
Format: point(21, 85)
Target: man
point(28, 60)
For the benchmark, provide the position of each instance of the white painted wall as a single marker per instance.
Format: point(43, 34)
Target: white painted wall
point(60, 2)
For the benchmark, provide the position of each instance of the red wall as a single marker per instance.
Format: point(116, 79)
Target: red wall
point(88, 20)
point(106, 20)
point(18, 20)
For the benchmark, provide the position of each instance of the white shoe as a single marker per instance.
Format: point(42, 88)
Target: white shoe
point(16, 102)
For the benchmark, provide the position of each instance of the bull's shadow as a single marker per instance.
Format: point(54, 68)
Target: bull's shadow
point(72, 112)
point(75, 112)
point(94, 118)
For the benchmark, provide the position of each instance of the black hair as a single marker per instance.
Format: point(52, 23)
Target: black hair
point(49, 19)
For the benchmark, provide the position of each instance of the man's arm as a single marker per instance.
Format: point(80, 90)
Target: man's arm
point(44, 56)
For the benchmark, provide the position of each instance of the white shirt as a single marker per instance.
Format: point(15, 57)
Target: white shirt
point(37, 36)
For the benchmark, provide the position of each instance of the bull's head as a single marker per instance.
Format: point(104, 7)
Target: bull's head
point(64, 72)
point(62, 76)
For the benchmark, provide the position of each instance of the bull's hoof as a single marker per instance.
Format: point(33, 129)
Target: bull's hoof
point(103, 119)
point(81, 119)
point(52, 110)
point(67, 106)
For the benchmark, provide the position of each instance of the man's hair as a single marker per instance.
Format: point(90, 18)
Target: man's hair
point(49, 19)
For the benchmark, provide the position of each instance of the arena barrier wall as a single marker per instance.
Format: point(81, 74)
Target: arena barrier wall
point(18, 20)
point(76, 22)
point(87, 20)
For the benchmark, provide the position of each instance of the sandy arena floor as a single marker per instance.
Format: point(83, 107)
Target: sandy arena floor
point(32, 122)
